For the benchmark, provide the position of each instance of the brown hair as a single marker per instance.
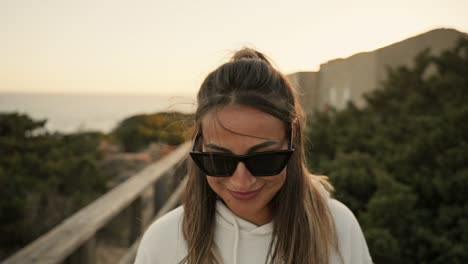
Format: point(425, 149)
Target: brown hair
point(303, 230)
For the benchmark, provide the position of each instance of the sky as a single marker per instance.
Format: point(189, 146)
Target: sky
point(168, 47)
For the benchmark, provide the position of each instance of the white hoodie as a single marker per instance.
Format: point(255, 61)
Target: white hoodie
point(241, 242)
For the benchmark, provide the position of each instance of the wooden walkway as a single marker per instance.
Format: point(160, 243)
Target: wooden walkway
point(156, 189)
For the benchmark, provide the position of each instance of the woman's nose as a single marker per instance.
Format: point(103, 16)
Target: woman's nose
point(242, 179)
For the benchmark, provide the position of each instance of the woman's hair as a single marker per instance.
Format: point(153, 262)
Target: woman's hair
point(303, 230)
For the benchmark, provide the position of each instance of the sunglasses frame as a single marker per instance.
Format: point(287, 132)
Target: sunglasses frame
point(198, 155)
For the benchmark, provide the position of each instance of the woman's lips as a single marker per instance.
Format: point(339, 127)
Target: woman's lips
point(245, 195)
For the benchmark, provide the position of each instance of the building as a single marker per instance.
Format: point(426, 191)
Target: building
point(341, 80)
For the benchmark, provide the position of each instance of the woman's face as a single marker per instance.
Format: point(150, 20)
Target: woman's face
point(240, 130)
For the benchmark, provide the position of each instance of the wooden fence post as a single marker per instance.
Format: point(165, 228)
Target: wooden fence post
point(86, 254)
point(136, 218)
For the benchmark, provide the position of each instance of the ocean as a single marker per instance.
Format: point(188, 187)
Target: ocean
point(69, 113)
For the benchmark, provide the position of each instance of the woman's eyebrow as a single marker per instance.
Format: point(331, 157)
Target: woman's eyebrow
point(250, 150)
point(262, 145)
point(216, 147)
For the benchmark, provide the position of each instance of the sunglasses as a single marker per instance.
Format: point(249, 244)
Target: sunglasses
point(266, 163)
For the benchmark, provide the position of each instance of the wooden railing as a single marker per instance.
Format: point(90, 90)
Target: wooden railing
point(154, 190)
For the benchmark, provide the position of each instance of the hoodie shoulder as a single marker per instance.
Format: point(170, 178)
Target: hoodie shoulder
point(351, 241)
point(163, 241)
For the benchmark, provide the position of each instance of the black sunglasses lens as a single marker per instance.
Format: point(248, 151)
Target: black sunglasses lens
point(261, 164)
point(216, 165)
point(267, 164)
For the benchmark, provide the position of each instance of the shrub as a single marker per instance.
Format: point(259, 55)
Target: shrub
point(400, 162)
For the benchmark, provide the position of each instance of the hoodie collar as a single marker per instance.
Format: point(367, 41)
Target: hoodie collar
point(227, 219)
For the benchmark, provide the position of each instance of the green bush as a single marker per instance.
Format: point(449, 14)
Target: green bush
point(400, 163)
point(137, 132)
point(44, 178)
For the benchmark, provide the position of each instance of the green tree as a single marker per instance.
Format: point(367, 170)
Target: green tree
point(137, 132)
point(400, 162)
point(44, 178)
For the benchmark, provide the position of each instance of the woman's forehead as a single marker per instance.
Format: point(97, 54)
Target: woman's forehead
point(242, 121)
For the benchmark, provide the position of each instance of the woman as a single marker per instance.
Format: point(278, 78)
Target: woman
point(249, 197)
